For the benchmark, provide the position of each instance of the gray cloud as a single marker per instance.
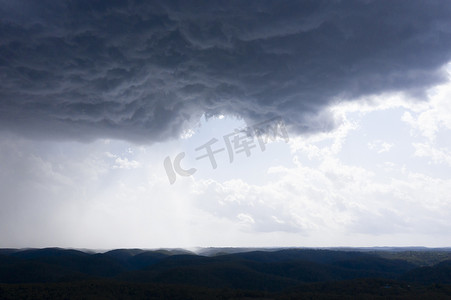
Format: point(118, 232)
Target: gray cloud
point(145, 70)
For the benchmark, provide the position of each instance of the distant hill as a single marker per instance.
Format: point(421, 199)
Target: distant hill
point(270, 271)
point(438, 274)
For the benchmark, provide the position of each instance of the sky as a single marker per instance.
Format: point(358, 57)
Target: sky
point(151, 124)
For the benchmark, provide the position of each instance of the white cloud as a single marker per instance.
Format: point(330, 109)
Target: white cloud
point(186, 134)
point(110, 155)
point(436, 155)
point(380, 146)
point(245, 218)
point(124, 163)
point(435, 114)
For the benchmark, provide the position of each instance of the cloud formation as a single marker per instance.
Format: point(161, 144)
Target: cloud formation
point(145, 71)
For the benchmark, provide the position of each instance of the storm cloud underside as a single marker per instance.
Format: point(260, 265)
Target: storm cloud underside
point(145, 71)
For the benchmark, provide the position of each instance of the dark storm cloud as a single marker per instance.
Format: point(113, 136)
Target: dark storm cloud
point(143, 71)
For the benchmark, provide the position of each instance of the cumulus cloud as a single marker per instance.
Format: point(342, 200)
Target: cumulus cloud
point(380, 146)
point(332, 196)
point(437, 155)
point(147, 70)
point(123, 162)
point(433, 117)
